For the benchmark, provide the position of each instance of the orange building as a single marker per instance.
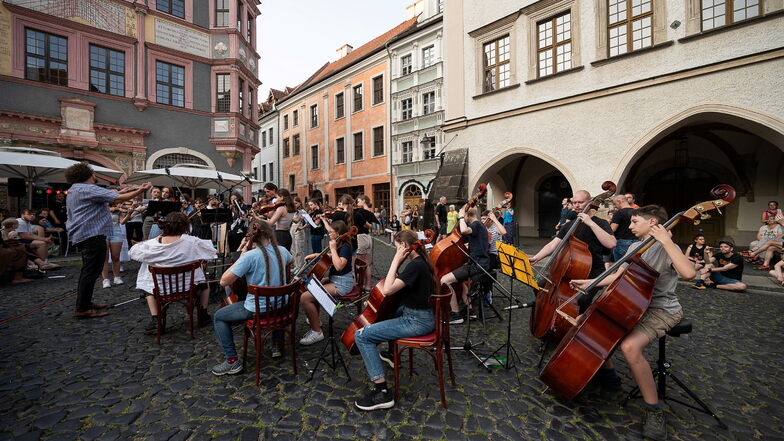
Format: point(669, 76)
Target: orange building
point(334, 127)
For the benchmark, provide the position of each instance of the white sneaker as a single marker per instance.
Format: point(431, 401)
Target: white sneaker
point(122, 270)
point(117, 281)
point(107, 283)
point(311, 337)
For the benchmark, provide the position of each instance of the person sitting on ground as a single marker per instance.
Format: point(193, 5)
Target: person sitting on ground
point(778, 272)
point(696, 252)
point(771, 212)
point(13, 257)
point(174, 247)
point(340, 283)
point(36, 243)
point(769, 240)
point(725, 270)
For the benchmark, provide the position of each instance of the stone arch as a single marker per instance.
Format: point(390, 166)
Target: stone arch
point(181, 150)
point(499, 161)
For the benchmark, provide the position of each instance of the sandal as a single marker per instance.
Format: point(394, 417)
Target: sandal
point(764, 267)
point(746, 254)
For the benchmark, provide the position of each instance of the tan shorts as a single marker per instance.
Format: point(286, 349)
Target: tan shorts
point(656, 322)
point(364, 244)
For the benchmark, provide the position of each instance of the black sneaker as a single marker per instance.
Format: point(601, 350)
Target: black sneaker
point(654, 425)
point(376, 399)
point(388, 358)
point(456, 318)
point(152, 327)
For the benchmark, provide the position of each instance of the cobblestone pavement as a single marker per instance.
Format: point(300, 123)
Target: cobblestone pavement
point(64, 379)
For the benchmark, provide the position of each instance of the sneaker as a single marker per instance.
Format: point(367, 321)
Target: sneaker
point(376, 399)
point(709, 284)
point(117, 281)
point(387, 358)
point(699, 285)
point(107, 283)
point(311, 337)
point(488, 300)
point(122, 269)
point(653, 424)
point(227, 368)
point(277, 351)
point(456, 319)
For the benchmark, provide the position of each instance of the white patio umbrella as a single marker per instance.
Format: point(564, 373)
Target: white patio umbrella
point(32, 164)
point(191, 176)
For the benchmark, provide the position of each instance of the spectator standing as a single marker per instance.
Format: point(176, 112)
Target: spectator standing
point(631, 199)
point(384, 219)
point(451, 219)
point(509, 213)
point(619, 223)
point(441, 217)
point(115, 243)
point(566, 207)
point(405, 217)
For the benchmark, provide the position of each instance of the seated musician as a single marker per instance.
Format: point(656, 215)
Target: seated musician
point(174, 247)
point(662, 314)
point(263, 263)
point(413, 318)
point(478, 246)
point(341, 280)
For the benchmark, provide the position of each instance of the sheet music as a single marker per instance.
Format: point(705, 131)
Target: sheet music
point(421, 236)
point(322, 296)
point(307, 218)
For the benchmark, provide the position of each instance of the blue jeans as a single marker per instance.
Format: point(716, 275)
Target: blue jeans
point(222, 321)
point(155, 231)
point(621, 247)
point(407, 323)
point(316, 242)
point(721, 279)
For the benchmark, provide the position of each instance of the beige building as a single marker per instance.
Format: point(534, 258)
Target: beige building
point(665, 98)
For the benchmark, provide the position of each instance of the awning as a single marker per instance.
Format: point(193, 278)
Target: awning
point(452, 178)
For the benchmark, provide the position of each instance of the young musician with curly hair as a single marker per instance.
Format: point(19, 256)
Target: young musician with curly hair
point(264, 263)
point(415, 284)
point(282, 217)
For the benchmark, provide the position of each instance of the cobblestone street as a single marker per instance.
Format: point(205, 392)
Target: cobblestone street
point(65, 379)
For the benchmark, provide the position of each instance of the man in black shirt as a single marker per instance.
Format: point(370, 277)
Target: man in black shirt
point(441, 217)
point(594, 231)
point(620, 226)
point(725, 270)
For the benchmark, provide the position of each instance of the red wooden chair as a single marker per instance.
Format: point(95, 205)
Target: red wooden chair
point(279, 315)
point(173, 285)
point(434, 344)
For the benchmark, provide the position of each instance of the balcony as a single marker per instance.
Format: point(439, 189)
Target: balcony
point(424, 167)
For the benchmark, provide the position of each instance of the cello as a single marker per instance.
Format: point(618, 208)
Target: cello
point(379, 306)
point(444, 255)
point(597, 332)
point(570, 260)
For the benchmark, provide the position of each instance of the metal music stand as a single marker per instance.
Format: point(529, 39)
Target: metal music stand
point(163, 208)
point(330, 305)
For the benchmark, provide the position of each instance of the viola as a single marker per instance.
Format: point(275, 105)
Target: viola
point(596, 333)
point(571, 260)
point(444, 254)
point(318, 266)
point(379, 306)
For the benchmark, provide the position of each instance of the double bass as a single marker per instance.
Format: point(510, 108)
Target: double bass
point(445, 255)
point(379, 306)
point(597, 332)
point(571, 260)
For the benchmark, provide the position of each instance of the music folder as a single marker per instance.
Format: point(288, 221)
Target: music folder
point(322, 296)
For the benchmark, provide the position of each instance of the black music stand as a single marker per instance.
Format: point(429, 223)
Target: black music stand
point(163, 208)
point(331, 306)
point(217, 215)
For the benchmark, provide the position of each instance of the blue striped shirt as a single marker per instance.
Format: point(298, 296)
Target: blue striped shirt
point(88, 211)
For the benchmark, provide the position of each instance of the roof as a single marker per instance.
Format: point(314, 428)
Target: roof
point(356, 55)
point(273, 97)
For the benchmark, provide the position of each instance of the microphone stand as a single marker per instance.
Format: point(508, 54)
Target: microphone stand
point(174, 181)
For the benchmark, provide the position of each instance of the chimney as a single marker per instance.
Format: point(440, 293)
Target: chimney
point(344, 50)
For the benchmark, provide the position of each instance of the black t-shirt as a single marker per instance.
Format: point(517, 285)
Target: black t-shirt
point(343, 251)
point(394, 225)
point(318, 231)
point(585, 234)
point(623, 218)
point(419, 284)
point(360, 217)
point(735, 273)
point(478, 243)
point(441, 213)
point(697, 253)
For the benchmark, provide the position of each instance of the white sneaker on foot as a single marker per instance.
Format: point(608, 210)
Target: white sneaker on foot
point(311, 337)
point(117, 281)
point(107, 283)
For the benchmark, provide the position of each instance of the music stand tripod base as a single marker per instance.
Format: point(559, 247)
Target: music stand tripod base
point(334, 357)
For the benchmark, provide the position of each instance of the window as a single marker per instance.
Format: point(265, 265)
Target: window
point(496, 64)
point(440, 5)
point(271, 172)
point(314, 157)
point(286, 150)
point(295, 150)
point(630, 25)
point(221, 13)
point(264, 172)
point(291, 182)
point(339, 106)
point(340, 151)
point(357, 98)
point(314, 116)
point(381, 195)
point(263, 139)
point(249, 30)
point(46, 57)
point(295, 118)
point(169, 84)
point(408, 152)
point(242, 96)
point(378, 141)
point(173, 7)
point(285, 122)
point(223, 97)
point(359, 151)
point(407, 106)
point(378, 90)
point(107, 70)
point(250, 102)
point(428, 103)
point(430, 148)
point(428, 56)
point(172, 159)
point(405, 65)
point(555, 44)
point(270, 136)
point(715, 12)
point(239, 16)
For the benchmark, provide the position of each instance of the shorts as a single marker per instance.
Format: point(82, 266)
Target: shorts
point(655, 322)
point(442, 230)
point(344, 283)
point(364, 244)
point(117, 235)
point(467, 271)
point(721, 279)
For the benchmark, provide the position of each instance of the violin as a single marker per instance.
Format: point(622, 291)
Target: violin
point(379, 306)
point(318, 266)
point(331, 212)
point(507, 199)
point(444, 255)
point(598, 331)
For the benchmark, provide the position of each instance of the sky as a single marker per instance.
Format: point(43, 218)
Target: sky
point(296, 37)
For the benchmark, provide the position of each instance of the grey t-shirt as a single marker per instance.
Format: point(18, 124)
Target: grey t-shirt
point(664, 290)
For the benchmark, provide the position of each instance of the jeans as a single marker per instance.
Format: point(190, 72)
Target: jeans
point(93, 256)
point(407, 323)
point(509, 237)
point(155, 231)
point(621, 246)
point(222, 321)
point(316, 242)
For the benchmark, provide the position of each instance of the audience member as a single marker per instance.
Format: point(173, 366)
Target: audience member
point(33, 241)
point(769, 240)
point(619, 223)
point(724, 270)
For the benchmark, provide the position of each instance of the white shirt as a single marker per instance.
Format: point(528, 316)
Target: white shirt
point(185, 250)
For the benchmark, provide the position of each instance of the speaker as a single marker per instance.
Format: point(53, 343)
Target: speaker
point(16, 187)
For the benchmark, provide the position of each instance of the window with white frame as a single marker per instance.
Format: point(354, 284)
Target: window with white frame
point(358, 98)
point(429, 148)
point(405, 65)
point(407, 107)
point(428, 55)
point(221, 13)
point(554, 44)
point(314, 116)
point(263, 139)
point(428, 103)
point(496, 63)
point(407, 152)
point(717, 13)
point(271, 172)
point(223, 92)
point(340, 104)
point(270, 136)
point(630, 25)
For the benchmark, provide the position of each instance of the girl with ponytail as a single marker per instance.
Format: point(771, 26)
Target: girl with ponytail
point(264, 263)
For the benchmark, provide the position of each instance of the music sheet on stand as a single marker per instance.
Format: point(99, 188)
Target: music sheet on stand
point(322, 296)
point(307, 218)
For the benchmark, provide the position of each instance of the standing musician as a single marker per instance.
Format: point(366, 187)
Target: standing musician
point(662, 314)
point(264, 263)
point(341, 280)
point(594, 231)
point(155, 195)
point(282, 217)
point(316, 234)
point(478, 245)
point(270, 192)
point(416, 283)
point(364, 219)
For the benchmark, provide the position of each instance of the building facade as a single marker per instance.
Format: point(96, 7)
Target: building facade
point(132, 84)
point(266, 164)
point(664, 98)
point(334, 127)
point(417, 111)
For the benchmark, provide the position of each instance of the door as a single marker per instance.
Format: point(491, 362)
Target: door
point(549, 196)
